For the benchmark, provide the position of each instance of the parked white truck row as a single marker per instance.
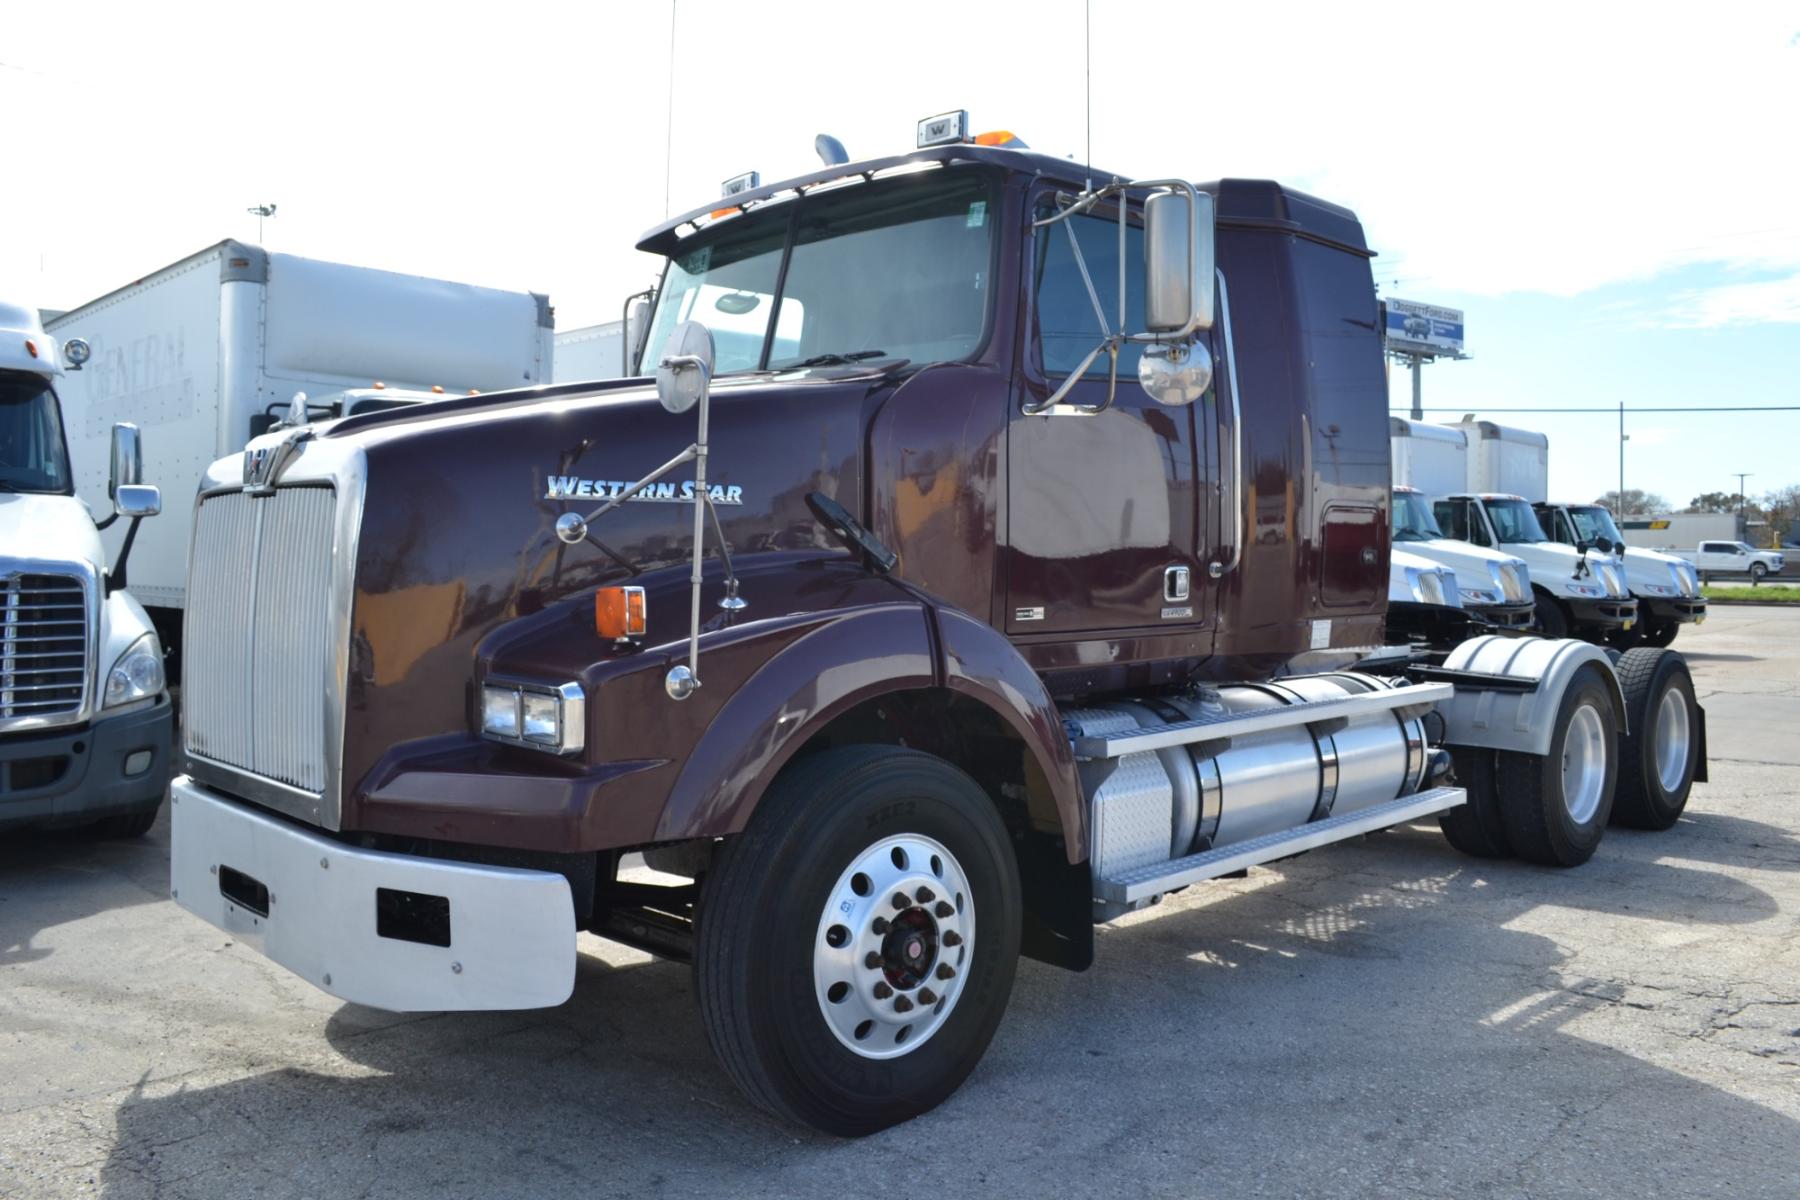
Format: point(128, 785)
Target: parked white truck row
point(1487, 487)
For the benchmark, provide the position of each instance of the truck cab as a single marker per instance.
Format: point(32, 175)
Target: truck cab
point(85, 718)
point(1494, 586)
point(1577, 592)
point(1666, 587)
point(984, 552)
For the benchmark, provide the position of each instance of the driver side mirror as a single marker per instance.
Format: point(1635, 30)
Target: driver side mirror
point(1178, 262)
point(127, 459)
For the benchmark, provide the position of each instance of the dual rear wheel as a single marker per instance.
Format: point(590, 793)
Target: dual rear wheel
point(1553, 808)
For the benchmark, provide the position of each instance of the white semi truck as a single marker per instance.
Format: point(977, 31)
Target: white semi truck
point(1666, 586)
point(85, 725)
point(211, 350)
point(1494, 586)
point(1574, 592)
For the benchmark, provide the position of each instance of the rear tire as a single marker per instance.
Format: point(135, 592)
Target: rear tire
point(1555, 806)
point(1477, 828)
point(790, 912)
point(1661, 750)
point(1552, 617)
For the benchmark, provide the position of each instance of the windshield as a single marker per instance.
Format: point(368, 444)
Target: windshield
point(895, 269)
point(1412, 519)
point(1593, 523)
point(33, 457)
point(1514, 521)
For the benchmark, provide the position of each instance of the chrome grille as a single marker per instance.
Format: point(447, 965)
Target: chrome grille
point(1513, 582)
point(258, 633)
point(43, 646)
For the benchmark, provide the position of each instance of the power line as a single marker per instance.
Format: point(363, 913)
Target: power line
point(1703, 408)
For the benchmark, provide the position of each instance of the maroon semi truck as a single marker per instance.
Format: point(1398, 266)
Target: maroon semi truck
point(993, 553)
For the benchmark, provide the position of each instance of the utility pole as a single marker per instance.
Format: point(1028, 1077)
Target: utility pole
point(1622, 440)
point(1741, 476)
point(261, 211)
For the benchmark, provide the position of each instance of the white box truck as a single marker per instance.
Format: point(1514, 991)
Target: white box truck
point(208, 351)
point(591, 352)
point(1576, 593)
point(85, 719)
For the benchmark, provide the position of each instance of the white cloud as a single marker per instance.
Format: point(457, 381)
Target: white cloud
point(1767, 301)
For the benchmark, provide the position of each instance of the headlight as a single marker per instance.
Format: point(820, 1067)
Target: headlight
point(541, 716)
point(138, 675)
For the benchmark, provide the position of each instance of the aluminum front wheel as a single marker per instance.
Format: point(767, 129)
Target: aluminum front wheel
point(1671, 734)
point(893, 944)
point(1584, 763)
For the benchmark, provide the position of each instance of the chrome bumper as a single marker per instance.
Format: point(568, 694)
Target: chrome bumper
point(390, 931)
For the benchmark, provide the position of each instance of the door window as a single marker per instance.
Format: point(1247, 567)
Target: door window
point(1067, 326)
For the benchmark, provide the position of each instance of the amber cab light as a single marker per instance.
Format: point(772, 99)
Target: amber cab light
point(619, 612)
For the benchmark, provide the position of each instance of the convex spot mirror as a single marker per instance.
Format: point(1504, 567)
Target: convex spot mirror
point(684, 371)
point(127, 459)
point(138, 500)
point(1178, 262)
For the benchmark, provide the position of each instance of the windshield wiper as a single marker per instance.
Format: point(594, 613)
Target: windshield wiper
point(833, 360)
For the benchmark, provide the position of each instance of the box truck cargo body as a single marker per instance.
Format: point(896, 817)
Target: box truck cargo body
point(200, 353)
point(591, 352)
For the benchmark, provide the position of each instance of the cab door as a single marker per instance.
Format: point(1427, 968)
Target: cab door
point(1104, 512)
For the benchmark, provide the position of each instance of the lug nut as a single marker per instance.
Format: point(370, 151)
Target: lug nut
point(902, 1004)
point(925, 895)
point(872, 960)
point(952, 938)
point(883, 991)
point(901, 902)
point(879, 925)
point(945, 909)
point(946, 971)
point(927, 997)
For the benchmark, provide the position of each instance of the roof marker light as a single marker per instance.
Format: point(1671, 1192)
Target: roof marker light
point(437, 389)
point(1001, 137)
point(31, 347)
point(945, 129)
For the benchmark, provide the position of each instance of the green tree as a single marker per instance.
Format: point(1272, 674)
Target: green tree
point(1714, 502)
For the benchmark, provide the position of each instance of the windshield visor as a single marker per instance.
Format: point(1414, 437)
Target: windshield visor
point(899, 268)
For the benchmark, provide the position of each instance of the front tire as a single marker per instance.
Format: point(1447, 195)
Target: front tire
point(1555, 806)
point(856, 944)
point(1757, 571)
point(1552, 617)
point(1660, 751)
point(1661, 633)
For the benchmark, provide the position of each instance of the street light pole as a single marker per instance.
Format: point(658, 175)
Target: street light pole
point(261, 211)
point(1741, 476)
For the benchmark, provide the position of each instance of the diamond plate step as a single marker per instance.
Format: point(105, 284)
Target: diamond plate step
point(1226, 726)
point(1144, 882)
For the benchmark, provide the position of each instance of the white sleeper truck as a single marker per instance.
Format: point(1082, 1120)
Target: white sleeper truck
point(211, 351)
point(85, 722)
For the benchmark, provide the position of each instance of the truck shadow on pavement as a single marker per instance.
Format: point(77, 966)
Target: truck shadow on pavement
point(51, 877)
point(1378, 1018)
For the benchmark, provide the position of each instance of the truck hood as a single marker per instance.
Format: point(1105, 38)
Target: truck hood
point(1553, 567)
point(1648, 573)
point(461, 499)
point(53, 528)
point(1474, 566)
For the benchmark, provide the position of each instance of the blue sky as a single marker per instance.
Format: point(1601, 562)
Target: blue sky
point(1608, 189)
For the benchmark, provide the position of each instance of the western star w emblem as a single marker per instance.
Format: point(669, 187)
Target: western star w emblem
point(571, 487)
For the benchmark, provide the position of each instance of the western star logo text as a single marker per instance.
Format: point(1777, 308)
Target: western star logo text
point(570, 487)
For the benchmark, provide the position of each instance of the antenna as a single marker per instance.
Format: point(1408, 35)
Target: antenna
point(1087, 22)
point(669, 117)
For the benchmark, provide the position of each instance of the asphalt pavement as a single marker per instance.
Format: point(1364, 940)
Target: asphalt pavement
point(1382, 1018)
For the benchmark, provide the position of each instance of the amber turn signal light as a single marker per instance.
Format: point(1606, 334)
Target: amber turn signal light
point(619, 612)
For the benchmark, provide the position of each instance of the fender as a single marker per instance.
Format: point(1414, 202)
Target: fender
point(829, 670)
point(789, 698)
point(979, 662)
point(1523, 722)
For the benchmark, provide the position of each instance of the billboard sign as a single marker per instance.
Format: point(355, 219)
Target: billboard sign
point(1423, 328)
